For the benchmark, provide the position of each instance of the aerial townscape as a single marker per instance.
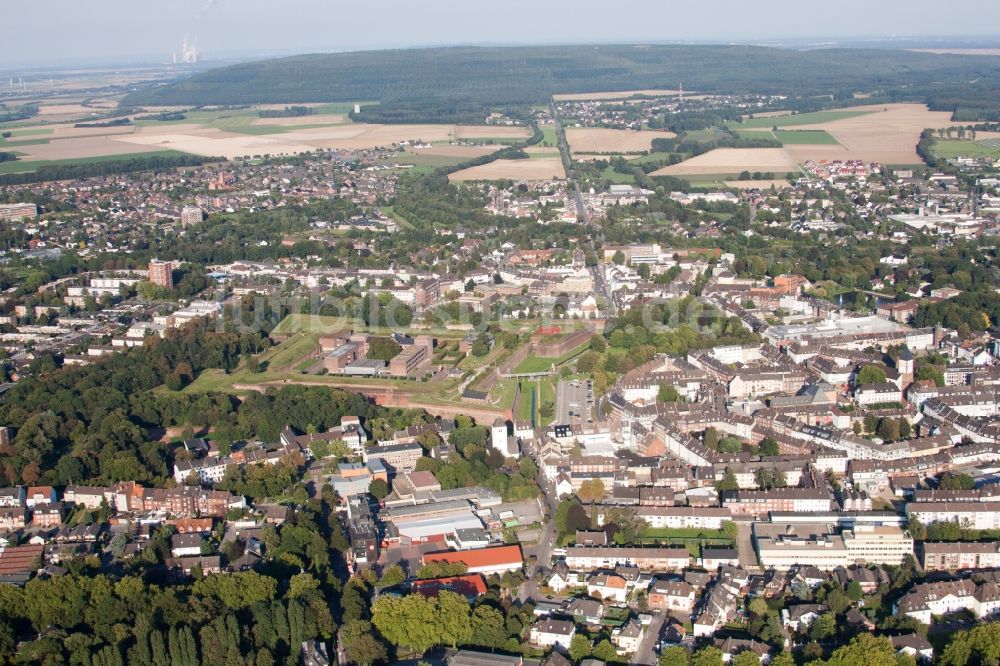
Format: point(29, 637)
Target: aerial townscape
point(610, 353)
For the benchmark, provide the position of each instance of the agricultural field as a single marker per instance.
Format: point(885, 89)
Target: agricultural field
point(732, 161)
point(603, 140)
point(542, 168)
point(804, 137)
point(794, 120)
point(442, 155)
point(887, 134)
point(21, 166)
point(982, 148)
point(211, 142)
point(242, 132)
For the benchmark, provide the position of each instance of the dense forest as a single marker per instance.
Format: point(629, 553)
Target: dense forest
point(516, 75)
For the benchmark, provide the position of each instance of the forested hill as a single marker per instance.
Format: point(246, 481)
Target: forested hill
point(499, 75)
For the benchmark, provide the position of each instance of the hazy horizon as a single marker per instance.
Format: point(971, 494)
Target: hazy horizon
point(116, 31)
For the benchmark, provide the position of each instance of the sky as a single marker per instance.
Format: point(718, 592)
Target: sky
point(68, 32)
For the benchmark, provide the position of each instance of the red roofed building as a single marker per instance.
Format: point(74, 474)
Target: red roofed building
point(493, 560)
point(18, 562)
point(470, 585)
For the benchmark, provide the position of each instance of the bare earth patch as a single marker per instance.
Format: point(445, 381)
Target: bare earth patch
point(604, 140)
point(543, 168)
point(732, 160)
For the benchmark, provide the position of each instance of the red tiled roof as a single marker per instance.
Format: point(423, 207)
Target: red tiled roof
point(19, 559)
point(470, 585)
point(479, 557)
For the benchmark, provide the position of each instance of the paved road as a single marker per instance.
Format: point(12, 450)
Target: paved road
point(646, 655)
point(601, 287)
point(546, 540)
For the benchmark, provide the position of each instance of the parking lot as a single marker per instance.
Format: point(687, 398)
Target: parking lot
point(574, 401)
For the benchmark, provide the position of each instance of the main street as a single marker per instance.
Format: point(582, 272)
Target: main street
point(546, 539)
point(646, 654)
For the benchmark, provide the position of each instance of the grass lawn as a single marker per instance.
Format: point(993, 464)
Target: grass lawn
point(539, 156)
point(652, 157)
point(11, 142)
point(524, 412)
point(547, 394)
point(704, 135)
point(24, 166)
point(258, 130)
point(534, 364)
point(31, 131)
point(502, 394)
point(396, 217)
point(813, 118)
point(618, 178)
point(682, 533)
point(804, 137)
point(710, 179)
point(435, 161)
point(549, 136)
point(951, 148)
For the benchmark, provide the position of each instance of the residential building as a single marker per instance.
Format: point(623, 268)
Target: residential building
point(161, 273)
point(956, 555)
point(547, 633)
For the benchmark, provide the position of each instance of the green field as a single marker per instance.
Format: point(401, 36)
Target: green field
point(244, 121)
point(524, 413)
point(682, 533)
point(434, 161)
point(540, 156)
point(23, 166)
point(30, 131)
point(813, 118)
point(549, 136)
point(804, 137)
point(704, 135)
point(617, 178)
point(951, 148)
point(11, 143)
point(652, 157)
point(534, 364)
point(547, 394)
